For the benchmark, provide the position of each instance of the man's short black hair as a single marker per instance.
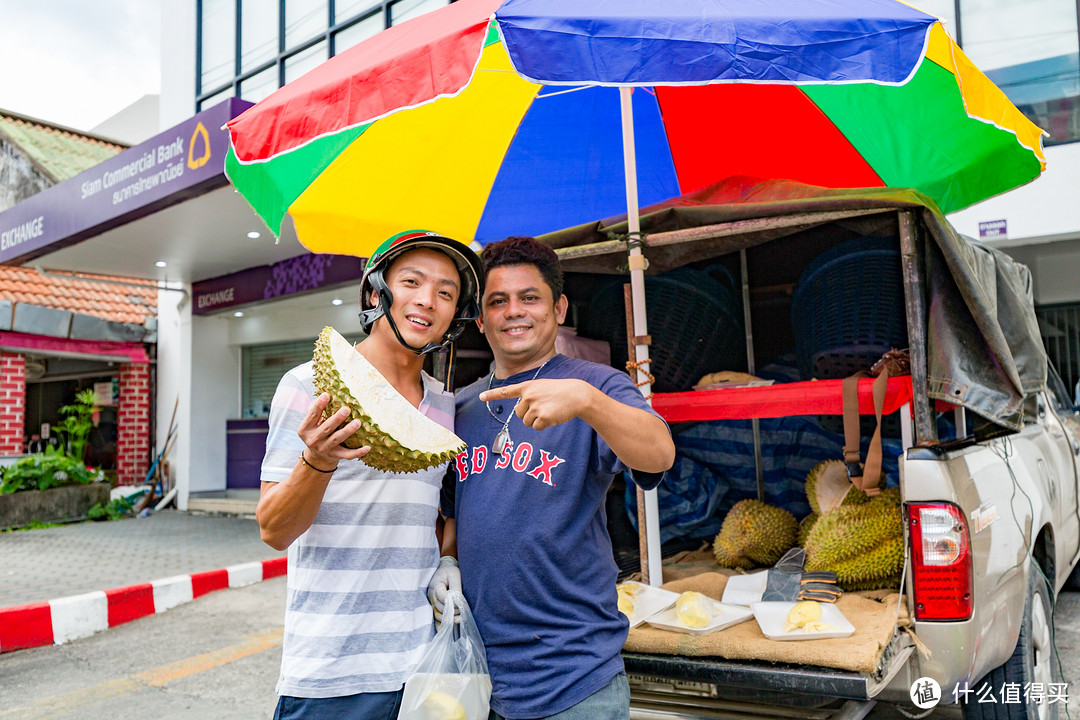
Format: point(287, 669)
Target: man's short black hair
point(523, 250)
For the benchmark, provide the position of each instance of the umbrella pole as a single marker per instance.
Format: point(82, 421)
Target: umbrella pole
point(651, 561)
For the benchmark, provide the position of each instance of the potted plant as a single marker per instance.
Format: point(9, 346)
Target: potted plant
point(55, 485)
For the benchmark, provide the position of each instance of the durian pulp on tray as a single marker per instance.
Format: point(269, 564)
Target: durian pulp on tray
point(402, 438)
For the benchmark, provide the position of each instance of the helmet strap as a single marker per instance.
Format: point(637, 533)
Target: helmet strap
point(465, 314)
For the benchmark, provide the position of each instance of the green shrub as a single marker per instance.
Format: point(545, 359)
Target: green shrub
point(49, 469)
point(79, 421)
point(114, 510)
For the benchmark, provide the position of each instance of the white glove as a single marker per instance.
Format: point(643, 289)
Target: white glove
point(447, 579)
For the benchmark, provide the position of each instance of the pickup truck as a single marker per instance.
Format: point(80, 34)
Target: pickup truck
point(990, 507)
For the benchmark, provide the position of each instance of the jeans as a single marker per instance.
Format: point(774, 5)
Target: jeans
point(370, 706)
point(611, 702)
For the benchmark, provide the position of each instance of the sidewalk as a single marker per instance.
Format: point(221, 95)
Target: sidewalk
point(60, 583)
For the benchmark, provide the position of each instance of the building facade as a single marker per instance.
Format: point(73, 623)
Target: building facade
point(1029, 48)
point(60, 335)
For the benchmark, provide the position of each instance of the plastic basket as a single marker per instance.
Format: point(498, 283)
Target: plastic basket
point(695, 322)
point(848, 308)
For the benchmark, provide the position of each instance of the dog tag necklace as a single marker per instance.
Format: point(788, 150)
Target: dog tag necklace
point(502, 439)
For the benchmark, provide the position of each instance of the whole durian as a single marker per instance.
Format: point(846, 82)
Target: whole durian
point(828, 487)
point(805, 526)
point(402, 439)
point(863, 544)
point(754, 534)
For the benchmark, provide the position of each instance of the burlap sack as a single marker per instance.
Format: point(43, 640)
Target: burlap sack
point(875, 621)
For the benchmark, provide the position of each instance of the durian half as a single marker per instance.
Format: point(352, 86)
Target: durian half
point(402, 439)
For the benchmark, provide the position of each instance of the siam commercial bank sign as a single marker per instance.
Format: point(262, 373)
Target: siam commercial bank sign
point(180, 163)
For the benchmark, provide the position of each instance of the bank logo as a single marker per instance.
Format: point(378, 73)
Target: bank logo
point(200, 134)
point(925, 693)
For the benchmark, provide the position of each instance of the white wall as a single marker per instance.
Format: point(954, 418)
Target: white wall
point(1043, 225)
point(177, 101)
point(134, 124)
point(1047, 208)
point(276, 322)
point(214, 389)
point(174, 384)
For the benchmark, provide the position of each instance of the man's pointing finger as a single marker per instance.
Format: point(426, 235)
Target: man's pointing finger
point(502, 393)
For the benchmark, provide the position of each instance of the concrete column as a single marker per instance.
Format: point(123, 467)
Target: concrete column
point(12, 403)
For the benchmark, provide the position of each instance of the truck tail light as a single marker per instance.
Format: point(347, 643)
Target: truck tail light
point(940, 561)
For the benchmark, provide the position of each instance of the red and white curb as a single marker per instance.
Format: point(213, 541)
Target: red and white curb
point(78, 616)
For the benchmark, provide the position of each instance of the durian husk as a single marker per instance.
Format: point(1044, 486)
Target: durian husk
point(386, 453)
point(828, 487)
point(805, 526)
point(863, 544)
point(754, 534)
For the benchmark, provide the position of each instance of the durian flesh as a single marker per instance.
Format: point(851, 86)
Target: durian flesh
point(801, 614)
point(626, 599)
point(402, 439)
point(693, 609)
point(440, 706)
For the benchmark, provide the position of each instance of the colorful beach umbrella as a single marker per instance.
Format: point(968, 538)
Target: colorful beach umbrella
point(487, 118)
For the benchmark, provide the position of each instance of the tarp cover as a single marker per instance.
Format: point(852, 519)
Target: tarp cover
point(983, 343)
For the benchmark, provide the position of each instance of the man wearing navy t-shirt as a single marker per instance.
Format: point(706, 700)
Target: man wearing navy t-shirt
point(545, 434)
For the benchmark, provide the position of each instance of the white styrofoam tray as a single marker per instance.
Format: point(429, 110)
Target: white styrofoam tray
point(724, 616)
point(772, 616)
point(648, 601)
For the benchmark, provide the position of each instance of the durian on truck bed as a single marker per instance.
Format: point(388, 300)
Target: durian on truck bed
point(402, 439)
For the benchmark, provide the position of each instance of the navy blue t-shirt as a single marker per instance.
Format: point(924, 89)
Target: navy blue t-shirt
point(535, 555)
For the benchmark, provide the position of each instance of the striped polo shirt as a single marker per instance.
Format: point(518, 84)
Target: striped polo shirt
point(357, 617)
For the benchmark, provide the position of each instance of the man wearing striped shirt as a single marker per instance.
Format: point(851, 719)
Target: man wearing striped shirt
point(361, 542)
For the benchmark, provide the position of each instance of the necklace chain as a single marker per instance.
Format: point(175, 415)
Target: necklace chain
point(502, 438)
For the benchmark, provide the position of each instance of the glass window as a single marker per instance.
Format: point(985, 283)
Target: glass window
point(258, 33)
point(256, 87)
point(407, 9)
point(304, 60)
point(345, 9)
point(358, 31)
point(304, 19)
point(1032, 52)
point(262, 366)
point(218, 25)
point(215, 99)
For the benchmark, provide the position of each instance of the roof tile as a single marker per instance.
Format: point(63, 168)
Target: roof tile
point(119, 303)
point(61, 152)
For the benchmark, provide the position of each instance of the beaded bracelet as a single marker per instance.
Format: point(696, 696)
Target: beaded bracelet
point(324, 472)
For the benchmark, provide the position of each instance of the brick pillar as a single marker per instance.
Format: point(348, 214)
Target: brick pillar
point(12, 403)
point(133, 424)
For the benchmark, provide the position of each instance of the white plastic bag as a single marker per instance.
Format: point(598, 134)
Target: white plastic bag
point(452, 681)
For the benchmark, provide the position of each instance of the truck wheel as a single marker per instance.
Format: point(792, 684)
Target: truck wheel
point(1034, 661)
point(1073, 582)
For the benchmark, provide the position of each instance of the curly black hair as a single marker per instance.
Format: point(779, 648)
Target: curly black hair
point(523, 250)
